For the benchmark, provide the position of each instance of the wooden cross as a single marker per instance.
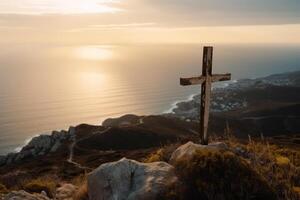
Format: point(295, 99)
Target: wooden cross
point(205, 80)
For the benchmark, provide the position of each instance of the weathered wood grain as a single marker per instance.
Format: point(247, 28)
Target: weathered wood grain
point(206, 81)
point(192, 81)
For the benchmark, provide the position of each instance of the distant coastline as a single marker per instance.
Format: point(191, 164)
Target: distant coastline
point(188, 109)
point(175, 104)
point(223, 99)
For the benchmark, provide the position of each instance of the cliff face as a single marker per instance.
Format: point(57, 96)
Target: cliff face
point(81, 148)
point(39, 146)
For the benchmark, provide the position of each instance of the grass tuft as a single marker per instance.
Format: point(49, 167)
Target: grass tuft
point(3, 189)
point(156, 156)
point(82, 193)
point(281, 160)
point(162, 154)
point(41, 184)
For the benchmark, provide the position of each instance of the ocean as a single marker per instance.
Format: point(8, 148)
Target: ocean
point(52, 87)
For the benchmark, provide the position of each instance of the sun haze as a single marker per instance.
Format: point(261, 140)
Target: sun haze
point(145, 21)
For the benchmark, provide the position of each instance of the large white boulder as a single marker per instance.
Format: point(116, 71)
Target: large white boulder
point(22, 195)
point(130, 180)
point(187, 150)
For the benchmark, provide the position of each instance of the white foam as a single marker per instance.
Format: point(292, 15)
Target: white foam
point(26, 142)
point(191, 97)
point(174, 104)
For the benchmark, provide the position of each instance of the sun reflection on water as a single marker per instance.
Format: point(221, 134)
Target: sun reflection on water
point(94, 52)
point(93, 80)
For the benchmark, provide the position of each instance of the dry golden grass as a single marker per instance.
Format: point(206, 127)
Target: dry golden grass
point(282, 161)
point(3, 189)
point(155, 157)
point(162, 154)
point(278, 166)
point(79, 180)
point(256, 170)
point(41, 184)
point(297, 190)
point(82, 192)
point(213, 174)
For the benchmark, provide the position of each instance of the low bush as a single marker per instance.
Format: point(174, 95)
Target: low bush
point(211, 174)
point(278, 165)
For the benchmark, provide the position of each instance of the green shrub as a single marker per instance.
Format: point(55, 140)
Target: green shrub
point(211, 174)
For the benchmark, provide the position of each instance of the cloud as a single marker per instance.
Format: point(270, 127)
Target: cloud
point(38, 7)
point(106, 27)
point(214, 12)
point(68, 21)
point(228, 12)
point(168, 13)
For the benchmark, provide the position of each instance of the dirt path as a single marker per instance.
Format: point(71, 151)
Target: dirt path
point(141, 120)
point(73, 144)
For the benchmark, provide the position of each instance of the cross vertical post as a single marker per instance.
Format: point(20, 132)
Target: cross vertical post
point(205, 93)
point(206, 80)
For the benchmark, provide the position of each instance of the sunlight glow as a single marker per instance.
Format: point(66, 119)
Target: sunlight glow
point(59, 6)
point(94, 52)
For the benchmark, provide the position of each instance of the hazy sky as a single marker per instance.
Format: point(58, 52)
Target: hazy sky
point(149, 21)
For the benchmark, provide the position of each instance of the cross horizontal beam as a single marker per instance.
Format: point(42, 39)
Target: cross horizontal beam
point(201, 79)
point(192, 81)
point(221, 77)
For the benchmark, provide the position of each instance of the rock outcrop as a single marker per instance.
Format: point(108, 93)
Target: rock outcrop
point(66, 192)
point(187, 150)
point(131, 180)
point(39, 146)
point(125, 120)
